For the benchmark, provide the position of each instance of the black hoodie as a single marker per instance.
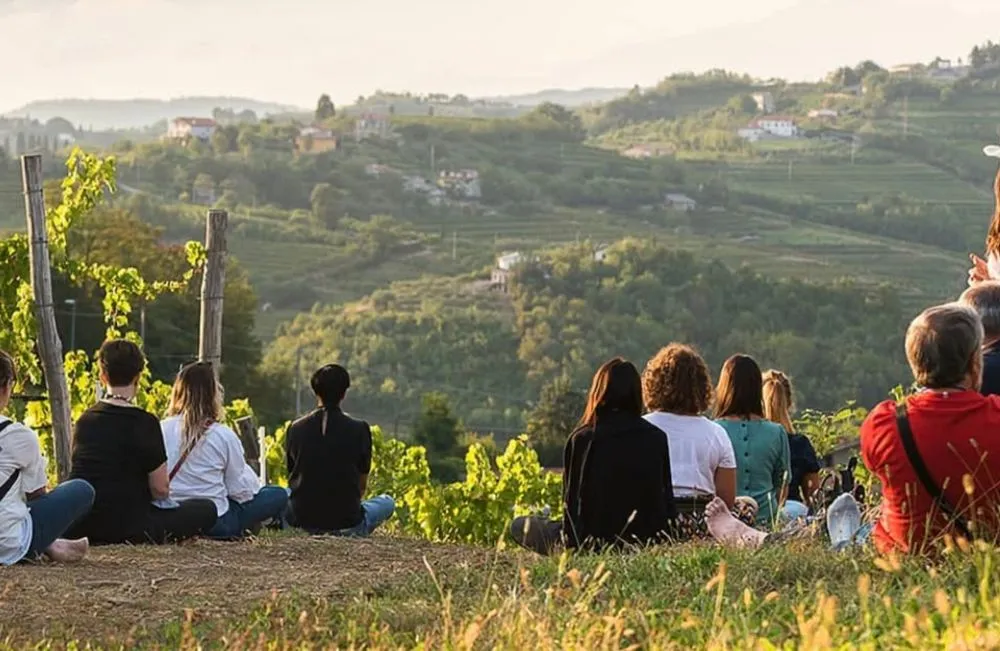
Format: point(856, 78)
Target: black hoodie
point(617, 487)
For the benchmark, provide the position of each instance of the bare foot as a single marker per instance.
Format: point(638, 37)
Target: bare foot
point(68, 551)
point(729, 531)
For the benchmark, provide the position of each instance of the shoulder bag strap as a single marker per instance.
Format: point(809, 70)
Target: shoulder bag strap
point(910, 445)
point(7, 485)
point(180, 462)
point(185, 453)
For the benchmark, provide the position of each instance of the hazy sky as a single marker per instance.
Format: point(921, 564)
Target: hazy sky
point(293, 50)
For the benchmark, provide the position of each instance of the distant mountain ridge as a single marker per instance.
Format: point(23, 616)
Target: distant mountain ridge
point(569, 98)
point(106, 114)
point(102, 114)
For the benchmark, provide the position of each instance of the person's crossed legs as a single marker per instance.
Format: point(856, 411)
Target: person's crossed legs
point(270, 502)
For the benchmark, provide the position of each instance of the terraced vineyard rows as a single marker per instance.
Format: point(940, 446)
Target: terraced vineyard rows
point(851, 183)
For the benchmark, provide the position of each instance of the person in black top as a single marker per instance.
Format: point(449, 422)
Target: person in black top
point(118, 449)
point(984, 298)
point(617, 488)
point(329, 456)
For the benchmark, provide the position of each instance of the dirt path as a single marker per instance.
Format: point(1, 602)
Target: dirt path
point(120, 589)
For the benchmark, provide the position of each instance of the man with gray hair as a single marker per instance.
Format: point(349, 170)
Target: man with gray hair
point(938, 453)
point(984, 298)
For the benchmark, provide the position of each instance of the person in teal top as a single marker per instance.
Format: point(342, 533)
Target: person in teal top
point(762, 456)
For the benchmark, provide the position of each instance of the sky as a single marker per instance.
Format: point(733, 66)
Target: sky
point(291, 51)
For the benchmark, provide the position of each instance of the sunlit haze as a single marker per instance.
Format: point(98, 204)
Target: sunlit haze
point(291, 50)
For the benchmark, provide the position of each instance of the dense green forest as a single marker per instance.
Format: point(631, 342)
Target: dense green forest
point(566, 313)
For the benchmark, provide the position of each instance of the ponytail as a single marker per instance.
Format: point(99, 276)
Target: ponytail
point(778, 399)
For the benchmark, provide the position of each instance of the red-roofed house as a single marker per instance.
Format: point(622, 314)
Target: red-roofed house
point(184, 128)
point(774, 125)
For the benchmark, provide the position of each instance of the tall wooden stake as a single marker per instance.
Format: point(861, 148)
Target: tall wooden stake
point(49, 345)
point(212, 284)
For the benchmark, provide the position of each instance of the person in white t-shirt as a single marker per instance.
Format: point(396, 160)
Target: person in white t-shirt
point(677, 390)
point(205, 458)
point(31, 519)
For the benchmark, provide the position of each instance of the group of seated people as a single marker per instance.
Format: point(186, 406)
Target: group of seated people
point(645, 463)
point(645, 466)
point(139, 480)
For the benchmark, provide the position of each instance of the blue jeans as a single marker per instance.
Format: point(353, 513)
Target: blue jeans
point(269, 502)
point(376, 511)
point(793, 510)
point(56, 511)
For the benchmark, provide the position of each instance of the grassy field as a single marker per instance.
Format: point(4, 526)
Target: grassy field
point(388, 593)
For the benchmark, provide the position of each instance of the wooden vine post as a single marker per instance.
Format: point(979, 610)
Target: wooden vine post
point(49, 346)
point(212, 286)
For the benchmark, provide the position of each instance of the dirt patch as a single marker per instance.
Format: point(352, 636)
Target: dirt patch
point(120, 589)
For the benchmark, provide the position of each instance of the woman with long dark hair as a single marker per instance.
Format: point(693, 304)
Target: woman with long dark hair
point(617, 488)
point(206, 458)
point(761, 447)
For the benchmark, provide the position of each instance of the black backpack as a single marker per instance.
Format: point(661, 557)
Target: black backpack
point(834, 482)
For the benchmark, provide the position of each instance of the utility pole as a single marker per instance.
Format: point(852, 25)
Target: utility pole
point(454, 245)
point(212, 289)
point(49, 345)
point(854, 147)
point(298, 382)
point(906, 116)
point(72, 322)
point(433, 162)
point(142, 324)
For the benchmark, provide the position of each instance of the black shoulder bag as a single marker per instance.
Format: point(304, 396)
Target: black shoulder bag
point(906, 435)
point(7, 485)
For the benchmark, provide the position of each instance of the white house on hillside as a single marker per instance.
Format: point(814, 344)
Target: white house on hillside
point(372, 125)
point(464, 183)
point(184, 128)
point(773, 125)
point(501, 271)
point(680, 202)
point(823, 113)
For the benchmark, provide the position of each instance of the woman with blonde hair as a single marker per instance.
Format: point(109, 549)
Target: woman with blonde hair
point(804, 480)
point(206, 458)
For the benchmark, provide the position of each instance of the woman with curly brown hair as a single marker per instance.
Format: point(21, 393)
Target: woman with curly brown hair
point(677, 390)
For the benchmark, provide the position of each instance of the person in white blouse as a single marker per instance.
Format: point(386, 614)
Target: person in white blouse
point(205, 458)
point(677, 390)
point(33, 519)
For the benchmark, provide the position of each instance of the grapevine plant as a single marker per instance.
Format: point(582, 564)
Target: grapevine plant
point(89, 179)
point(477, 510)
